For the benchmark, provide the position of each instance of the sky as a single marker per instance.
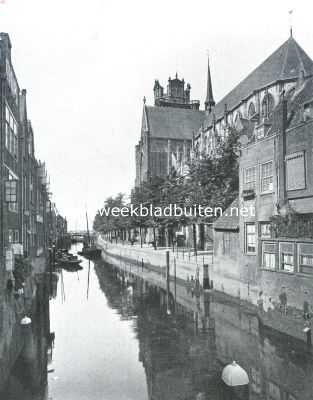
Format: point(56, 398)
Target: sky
point(87, 65)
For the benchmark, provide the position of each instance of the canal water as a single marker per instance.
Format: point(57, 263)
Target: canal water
point(113, 336)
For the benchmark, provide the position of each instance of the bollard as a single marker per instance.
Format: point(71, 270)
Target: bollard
point(167, 265)
point(175, 280)
point(206, 278)
point(168, 281)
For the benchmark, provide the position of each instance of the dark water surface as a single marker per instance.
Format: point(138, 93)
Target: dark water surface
point(116, 343)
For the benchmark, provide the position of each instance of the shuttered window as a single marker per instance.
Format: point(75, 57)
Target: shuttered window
point(295, 171)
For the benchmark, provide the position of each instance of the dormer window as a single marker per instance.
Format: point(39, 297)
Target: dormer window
point(307, 111)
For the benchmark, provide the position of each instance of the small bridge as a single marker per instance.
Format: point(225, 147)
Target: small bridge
point(79, 235)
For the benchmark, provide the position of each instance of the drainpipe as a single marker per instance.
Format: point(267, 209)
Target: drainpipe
point(282, 155)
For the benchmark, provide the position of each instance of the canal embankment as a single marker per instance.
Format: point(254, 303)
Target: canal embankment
point(152, 264)
point(18, 299)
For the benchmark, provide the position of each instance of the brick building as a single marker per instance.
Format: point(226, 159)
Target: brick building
point(264, 254)
point(24, 195)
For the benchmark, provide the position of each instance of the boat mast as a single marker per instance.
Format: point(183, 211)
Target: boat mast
point(87, 228)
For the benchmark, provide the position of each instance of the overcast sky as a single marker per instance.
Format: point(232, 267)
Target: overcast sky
point(86, 66)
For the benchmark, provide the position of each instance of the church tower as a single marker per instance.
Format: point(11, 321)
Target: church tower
point(177, 95)
point(209, 101)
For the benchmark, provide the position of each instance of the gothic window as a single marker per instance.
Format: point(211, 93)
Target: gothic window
point(267, 105)
point(205, 144)
point(251, 110)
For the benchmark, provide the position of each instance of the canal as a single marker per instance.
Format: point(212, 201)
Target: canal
point(112, 335)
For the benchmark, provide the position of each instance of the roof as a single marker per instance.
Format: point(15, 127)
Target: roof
point(229, 220)
point(302, 95)
point(171, 122)
point(285, 63)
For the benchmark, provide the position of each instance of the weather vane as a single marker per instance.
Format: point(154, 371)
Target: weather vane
point(290, 21)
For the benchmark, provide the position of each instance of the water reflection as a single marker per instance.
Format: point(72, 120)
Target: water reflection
point(183, 354)
point(119, 337)
point(28, 377)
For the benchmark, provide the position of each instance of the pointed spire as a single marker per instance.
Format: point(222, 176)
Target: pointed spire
point(209, 101)
point(290, 21)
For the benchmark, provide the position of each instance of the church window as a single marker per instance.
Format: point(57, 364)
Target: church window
point(267, 105)
point(251, 110)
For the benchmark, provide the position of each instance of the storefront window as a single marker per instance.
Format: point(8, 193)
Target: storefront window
point(305, 252)
point(287, 257)
point(269, 251)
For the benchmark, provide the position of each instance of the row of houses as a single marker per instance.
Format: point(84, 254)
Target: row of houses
point(29, 220)
point(264, 256)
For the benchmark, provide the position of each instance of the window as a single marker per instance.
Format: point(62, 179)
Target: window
point(11, 193)
point(287, 257)
point(265, 230)
point(251, 110)
point(267, 177)
point(269, 251)
point(295, 171)
point(13, 236)
point(250, 238)
point(250, 178)
point(10, 132)
point(267, 105)
point(10, 236)
point(308, 111)
point(226, 243)
point(13, 207)
point(305, 251)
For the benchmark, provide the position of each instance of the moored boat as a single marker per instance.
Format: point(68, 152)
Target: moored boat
point(91, 252)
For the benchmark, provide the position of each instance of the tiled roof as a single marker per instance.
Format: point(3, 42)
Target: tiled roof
point(285, 63)
point(173, 123)
point(229, 221)
point(302, 95)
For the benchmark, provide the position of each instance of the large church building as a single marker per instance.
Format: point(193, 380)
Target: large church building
point(167, 129)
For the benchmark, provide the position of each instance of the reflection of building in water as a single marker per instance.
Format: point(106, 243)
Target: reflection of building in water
point(183, 354)
point(28, 378)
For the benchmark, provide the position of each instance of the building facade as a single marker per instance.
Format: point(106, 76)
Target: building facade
point(24, 195)
point(167, 130)
point(263, 251)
